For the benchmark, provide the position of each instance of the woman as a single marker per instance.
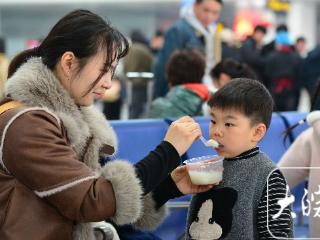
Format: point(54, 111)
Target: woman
point(52, 185)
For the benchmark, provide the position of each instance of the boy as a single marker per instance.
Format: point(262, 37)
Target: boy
point(244, 206)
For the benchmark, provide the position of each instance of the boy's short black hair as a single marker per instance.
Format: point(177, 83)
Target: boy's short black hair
point(248, 96)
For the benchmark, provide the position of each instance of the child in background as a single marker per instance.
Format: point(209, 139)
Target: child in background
point(185, 71)
point(245, 204)
point(228, 69)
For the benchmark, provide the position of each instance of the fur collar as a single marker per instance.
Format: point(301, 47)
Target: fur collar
point(88, 131)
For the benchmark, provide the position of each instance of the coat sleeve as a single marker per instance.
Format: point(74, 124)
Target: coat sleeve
point(38, 154)
point(154, 210)
point(298, 155)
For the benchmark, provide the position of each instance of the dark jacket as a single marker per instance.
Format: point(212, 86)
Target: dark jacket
point(251, 55)
point(180, 101)
point(311, 73)
point(282, 74)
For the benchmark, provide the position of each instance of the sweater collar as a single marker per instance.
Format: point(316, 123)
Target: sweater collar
point(245, 155)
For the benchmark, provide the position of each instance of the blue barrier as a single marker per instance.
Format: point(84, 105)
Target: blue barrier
point(137, 137)
point(272, 143)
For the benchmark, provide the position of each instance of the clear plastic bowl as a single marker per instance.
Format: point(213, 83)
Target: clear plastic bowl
point(205, 170)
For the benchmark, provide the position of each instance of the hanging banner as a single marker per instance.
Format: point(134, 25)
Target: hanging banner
point(279, 5)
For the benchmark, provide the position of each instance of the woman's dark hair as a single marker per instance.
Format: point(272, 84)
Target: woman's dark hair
point(185, 66)
point(81, 32)
point(248, 96)
point(232, 68)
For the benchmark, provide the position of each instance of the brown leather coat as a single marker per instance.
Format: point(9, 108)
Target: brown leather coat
point(51, 184)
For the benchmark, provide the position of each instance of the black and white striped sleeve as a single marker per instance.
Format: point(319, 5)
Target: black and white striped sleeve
point(270, 223)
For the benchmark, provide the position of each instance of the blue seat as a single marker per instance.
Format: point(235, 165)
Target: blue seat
point(136, 138)
point(293, 118)
point(272, 143)
point(175, 224)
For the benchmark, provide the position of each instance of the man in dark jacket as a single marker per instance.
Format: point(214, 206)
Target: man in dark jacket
point(193, 30)
point(282, 72)
point(250, 51)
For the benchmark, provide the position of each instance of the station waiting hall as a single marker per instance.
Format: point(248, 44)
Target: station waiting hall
point(159, 119)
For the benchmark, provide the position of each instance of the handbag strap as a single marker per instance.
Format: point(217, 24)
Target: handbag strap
point(9, 105)
point(5, 107)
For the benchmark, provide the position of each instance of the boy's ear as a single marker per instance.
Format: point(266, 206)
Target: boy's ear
point(259, 131)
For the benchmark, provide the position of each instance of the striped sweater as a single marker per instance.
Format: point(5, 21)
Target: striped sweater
point(274, 190)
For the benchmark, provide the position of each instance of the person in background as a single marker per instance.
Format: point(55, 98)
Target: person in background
point(156, 42)
point(139, 59)
point(230, 45)
point(52, 185)
point(271, 46)
point(283, 74)
point(300, 46)
point(245, 202)
point(228, 69)
point(250, 51)
point(113, 98)
point(311, 73)
point(300, 162)
point(187, 93)
point(4, 64)
point(193, 30)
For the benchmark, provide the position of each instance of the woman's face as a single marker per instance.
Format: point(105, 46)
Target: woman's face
point(80, 82)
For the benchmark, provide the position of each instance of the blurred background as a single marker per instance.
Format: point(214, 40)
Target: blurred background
point(24, 22)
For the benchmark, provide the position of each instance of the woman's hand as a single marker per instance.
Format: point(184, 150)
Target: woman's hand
point(183, 182)
point(182, 133)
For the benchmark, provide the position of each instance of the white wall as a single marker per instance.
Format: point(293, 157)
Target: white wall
point(21, 22)
point(302, 20)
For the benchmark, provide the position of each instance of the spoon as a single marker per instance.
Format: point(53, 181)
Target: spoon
point(209, 143)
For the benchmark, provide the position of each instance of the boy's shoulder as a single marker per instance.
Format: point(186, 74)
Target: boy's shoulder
point(264, 159)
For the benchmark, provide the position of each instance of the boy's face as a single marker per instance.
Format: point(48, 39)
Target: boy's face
point(234, 132)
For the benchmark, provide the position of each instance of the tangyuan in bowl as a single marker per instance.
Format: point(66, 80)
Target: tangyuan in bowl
point(205, 170)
